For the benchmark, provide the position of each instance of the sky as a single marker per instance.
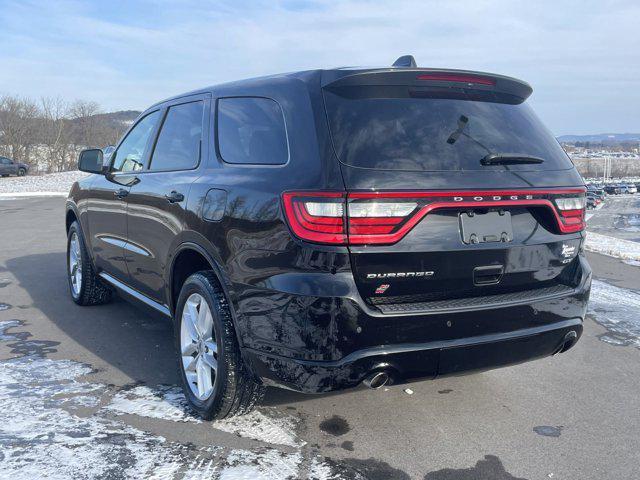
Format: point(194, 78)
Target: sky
point(581, 57)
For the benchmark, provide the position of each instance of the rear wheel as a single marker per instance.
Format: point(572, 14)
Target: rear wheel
point(85, 286)
point(22, 172)
point(214, 377)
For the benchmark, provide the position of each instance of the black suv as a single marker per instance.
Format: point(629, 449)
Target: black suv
point(322, 229)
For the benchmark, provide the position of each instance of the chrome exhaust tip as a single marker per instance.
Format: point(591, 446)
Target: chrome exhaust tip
point(569, 341)
point(376, 380)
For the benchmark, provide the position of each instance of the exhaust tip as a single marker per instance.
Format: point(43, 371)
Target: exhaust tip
point(376, 380)
point(569, 341)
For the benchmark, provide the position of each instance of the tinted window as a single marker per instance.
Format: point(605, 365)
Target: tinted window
point(178, 145)
point(130, 153)
point(251, 130)
point(5, 161)
point(402, 128)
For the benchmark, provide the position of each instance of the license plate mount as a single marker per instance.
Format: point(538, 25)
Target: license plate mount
point(487, 227)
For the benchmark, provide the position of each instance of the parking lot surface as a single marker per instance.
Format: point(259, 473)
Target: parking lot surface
point(91, 392)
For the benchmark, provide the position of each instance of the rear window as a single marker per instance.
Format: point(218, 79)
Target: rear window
point(418, 129)
point(251, 131)
point(178, 145)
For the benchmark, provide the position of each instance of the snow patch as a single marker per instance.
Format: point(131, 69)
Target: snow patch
point(163, 402)
point(41, 438)
point(322, 471)
point(265, 428)
point(612, 246)
point(6, 325)
point(169, 403)
point(265, 465)
point(616, 309)
point(40, 185)
point(47, 432)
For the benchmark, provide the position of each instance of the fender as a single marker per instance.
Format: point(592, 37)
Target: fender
point(222, 279)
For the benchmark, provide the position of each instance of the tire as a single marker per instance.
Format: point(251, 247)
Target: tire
point(229, 389)
point(22, 172)
point(85, 286)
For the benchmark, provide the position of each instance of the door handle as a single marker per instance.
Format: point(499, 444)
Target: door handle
point(489, 275)
point(174, 197)
point(121, 193)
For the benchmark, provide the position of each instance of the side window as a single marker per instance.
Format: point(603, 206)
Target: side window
point(129, 156)
point(4, 161)
point(251, 131)
point(178, 145)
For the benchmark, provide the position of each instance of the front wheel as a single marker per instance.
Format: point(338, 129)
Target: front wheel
point(85, 286)
point(215, 380)
point(22, 172)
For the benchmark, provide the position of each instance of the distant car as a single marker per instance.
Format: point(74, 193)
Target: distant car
point(597, 196)
point(593, 201)
point(598, 191)
point(631, 187)
point(624, 188)
point(9, 167)
point(612, 189)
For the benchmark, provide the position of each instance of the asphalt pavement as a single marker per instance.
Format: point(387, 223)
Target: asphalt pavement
point(572, 416)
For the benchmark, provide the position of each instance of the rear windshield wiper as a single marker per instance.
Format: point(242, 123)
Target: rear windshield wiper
point(509, 159)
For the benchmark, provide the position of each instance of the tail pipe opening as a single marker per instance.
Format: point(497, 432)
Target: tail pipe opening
point(569, 341)
point(376, 380)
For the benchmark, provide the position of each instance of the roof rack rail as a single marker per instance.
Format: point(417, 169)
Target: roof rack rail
point(405, 61)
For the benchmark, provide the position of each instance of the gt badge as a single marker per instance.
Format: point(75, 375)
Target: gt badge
point(382, 288)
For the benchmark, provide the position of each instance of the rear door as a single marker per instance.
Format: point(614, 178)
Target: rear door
point(431, 217)
point(156, 203)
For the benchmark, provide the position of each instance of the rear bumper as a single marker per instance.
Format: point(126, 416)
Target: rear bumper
point(324, 344)
point(417, 361)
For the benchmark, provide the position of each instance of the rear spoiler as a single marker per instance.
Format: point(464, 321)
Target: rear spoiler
point(427, 77)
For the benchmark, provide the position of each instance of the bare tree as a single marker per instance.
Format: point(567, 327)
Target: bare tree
point(86, 121)
point(18, 126)
point(55, 134)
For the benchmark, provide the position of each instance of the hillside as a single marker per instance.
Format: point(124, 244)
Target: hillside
point(119, 118)
point(601, 138)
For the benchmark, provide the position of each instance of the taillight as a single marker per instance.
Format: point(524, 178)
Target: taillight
point(571, 203)
point(572, 213)
point(317, 216)
point(375, 218)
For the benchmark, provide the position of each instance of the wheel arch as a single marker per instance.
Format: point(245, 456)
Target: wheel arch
point(189, 251)
point(70, 217)
point(188, 258)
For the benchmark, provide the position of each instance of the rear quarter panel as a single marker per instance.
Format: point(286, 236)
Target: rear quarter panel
point(251, 244)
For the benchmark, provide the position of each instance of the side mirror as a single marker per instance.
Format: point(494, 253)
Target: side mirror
point(91, 160)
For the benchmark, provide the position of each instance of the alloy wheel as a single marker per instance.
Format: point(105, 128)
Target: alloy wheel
point(75, 264)
point(199, 349)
